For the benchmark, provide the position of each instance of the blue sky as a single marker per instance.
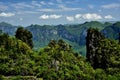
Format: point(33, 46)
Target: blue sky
point(53, 12)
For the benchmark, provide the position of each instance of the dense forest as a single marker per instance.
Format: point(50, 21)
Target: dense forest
point(19, 60)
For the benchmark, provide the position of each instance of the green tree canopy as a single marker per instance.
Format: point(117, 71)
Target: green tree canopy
point(25, 36)
point(108, 55)
point(57, 61)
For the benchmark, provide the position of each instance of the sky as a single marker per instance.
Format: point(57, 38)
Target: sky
point(54, 12)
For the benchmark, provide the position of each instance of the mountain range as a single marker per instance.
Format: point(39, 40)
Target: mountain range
point(74, 34)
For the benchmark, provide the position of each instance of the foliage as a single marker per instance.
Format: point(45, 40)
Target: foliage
point(107, 57)
point(14, 56)
point(25, 36)
point(57, 61)
point(103, 54)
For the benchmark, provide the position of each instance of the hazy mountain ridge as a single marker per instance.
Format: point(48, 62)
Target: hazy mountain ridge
point(8, 28)
point(113, 31)
point(73, 34)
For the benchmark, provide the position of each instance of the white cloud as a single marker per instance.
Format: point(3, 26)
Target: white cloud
point(6, 14)
point(92, 16)
point(26, 12)
point(53, 16)
point(64, 8)
point(108, 17)
point(21, 5)
point(70, 18)
point(44, 17)
point(109, 6)
point(61, 8)
point(78, 16)
point(47, 10)
point(88, 16)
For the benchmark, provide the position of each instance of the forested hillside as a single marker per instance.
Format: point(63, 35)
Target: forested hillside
point(57, 60)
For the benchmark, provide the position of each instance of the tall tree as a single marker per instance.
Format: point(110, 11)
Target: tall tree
point(25, 36)
point(92, 39)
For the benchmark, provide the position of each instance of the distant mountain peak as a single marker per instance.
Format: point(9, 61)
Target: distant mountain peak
point(5, 24)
